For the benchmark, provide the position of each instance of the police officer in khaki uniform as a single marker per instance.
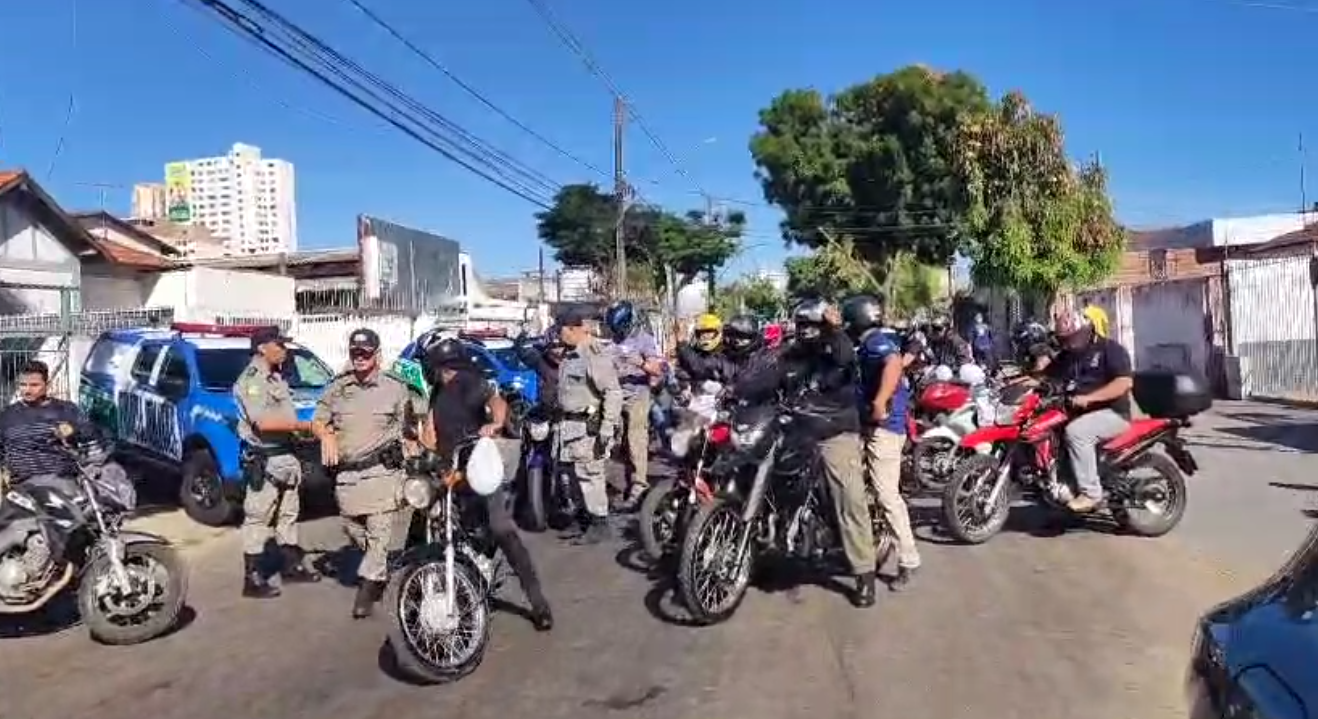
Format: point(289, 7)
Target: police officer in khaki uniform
point(359, 420)
point(591, 400)
point(266, 423)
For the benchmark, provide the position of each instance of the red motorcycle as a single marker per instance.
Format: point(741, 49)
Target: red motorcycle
point(1024, 454)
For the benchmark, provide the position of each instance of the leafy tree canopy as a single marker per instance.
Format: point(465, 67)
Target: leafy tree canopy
point(834, 270)
point(874, 162)
point(1037, 223)
point(581, 224)
point(913, 286)
point(753, 295)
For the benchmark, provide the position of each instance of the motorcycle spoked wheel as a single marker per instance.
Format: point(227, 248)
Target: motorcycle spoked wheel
point(661, 517)
point(713, 539)
point(1155, 518)
point(430, 647)
point(964, 515)
point(933, 460)
point(159, 582)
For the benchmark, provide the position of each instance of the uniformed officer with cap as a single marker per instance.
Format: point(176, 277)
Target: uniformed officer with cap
point(590, 397)
point(267, 421)
point(360, 421)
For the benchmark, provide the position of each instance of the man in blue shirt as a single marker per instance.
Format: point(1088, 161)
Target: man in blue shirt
point(884, 397)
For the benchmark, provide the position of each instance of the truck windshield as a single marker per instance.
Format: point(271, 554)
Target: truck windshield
point(219, 368)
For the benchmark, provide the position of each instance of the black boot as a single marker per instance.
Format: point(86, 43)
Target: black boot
point(368, 593)
point(255, 585)
point(294, 569)
point(542, 617)
point(597, 531)
point(864, 596)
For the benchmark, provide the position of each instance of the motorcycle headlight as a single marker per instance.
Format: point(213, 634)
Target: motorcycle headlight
point(418, 493)
point(748, 435)
point(539, 431)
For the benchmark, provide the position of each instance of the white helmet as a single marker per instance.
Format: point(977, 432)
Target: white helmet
point(971, 374)
point(942, 373)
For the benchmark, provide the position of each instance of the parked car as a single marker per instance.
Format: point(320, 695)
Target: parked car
point(1256, 656)
point(166, 397)
point(497, 360)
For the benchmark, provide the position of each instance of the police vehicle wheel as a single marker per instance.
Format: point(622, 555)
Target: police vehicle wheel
point(201, 491)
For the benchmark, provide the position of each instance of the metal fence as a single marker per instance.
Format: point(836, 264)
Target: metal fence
point(1274, 326)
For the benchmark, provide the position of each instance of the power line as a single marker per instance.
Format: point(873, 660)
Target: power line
point(73, 102)
point(282, 38)
point(570, 40)
point(472, 91)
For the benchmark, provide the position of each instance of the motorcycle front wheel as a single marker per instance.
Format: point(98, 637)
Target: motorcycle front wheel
point(966, 514)
point(157, 589)
point(433, 641)
point(660, 518)
point(714, 572)
point(537, 503)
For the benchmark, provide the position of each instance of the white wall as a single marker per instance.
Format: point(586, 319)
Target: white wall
point(113, 291)
point(31, 255)
point(201, 291)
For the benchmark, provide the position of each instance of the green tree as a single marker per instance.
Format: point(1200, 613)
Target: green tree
point(912, 286)
point(874, 162)
point(833, 270)
point(580, 228)
point(1037, 223)
point(753, 295)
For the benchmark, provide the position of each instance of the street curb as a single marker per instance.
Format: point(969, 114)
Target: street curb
point(1286, 402)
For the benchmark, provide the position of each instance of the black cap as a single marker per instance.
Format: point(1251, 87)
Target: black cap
point(265, 335)
point(575, 317)
point(364, 339)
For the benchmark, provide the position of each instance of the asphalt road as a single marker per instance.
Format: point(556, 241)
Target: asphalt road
point(1074, 626)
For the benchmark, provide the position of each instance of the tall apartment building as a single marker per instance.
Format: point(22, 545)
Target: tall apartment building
point(149, 201)
point(245, 200)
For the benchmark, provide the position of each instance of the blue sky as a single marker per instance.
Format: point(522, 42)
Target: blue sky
point(1194, 105)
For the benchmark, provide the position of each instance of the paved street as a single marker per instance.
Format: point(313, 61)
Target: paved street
point(1075, 626)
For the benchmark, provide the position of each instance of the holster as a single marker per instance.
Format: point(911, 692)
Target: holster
point(390, 456)
point(252, 463)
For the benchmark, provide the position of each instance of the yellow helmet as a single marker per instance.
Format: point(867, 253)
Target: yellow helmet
point(1098, 318)
point(708, 332)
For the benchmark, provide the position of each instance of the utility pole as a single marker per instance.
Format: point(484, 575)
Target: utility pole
point(621, 195)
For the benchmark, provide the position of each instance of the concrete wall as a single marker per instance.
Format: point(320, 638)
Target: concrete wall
point(200, 293)
point(30, 254)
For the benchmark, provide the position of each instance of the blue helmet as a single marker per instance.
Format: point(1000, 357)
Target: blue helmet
point(620, 317)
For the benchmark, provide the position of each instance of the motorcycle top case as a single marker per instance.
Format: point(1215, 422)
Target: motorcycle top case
point(1164, 394)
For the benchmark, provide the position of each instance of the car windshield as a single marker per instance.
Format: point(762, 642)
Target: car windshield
point(507, 357)
point(219, 368)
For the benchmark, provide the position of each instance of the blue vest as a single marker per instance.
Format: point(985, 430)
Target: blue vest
point(873, 353)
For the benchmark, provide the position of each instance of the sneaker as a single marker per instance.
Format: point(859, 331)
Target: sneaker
point(1083, 504)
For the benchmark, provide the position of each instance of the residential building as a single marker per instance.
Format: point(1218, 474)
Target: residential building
point(149, 201)
point(243, 198)
point(193, 241)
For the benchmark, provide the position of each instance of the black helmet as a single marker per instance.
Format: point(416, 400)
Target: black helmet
point(743, 334)
point(1029, 340)
point(447, 353)
point(808, 317)
point(861, 314)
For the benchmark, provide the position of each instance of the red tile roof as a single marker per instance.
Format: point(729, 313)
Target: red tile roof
point(129, 257)
point(8, 176)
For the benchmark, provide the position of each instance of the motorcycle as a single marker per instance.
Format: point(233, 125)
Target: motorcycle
point(1019, 454)
point(670, 502)
point(130, 585)
point(548, 497)
point(951, 411)
point(440, 589)
point(784, 509)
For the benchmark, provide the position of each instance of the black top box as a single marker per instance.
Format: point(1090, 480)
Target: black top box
point(1164, 394)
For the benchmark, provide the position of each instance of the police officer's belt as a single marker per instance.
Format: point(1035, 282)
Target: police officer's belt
point(390, 456)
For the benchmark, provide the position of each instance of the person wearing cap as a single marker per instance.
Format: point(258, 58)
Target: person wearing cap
point(267, 423)
point(1100, 370)
point(590, 397)
point(360, 420)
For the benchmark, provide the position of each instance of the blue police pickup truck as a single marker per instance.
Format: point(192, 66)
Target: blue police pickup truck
point(165, 397)
point(492, 354)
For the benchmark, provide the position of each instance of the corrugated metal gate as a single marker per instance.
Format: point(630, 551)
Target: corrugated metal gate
point(1274, 328)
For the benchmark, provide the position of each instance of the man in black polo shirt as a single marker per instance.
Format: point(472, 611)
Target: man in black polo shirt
point(27, 428)
point(462, 404)
point(1101, 371)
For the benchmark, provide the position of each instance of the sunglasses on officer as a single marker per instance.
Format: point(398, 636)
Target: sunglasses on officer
point(360, 353)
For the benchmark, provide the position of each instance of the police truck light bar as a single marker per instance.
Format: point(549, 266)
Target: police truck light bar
point(201, 328)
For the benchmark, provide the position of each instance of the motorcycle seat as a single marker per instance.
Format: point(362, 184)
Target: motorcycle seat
point(1138, 430)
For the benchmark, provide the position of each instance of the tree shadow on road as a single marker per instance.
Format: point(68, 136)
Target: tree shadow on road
point(1274, 430)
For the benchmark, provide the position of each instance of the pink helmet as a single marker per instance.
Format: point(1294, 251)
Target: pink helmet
point(773, 335)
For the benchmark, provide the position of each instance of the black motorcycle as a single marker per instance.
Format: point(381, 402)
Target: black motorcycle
point(785, 510)
point(62, 532)
point(440, 588)
point(547, 497)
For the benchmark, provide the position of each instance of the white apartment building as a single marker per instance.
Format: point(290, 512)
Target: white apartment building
point(245, 200)
point(149, 201)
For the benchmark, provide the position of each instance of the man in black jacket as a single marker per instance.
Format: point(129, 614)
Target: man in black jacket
point(821, 365)
point(27, 428)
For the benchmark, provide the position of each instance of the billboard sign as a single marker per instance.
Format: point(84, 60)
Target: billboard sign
point(178, 192)
point(403, 268)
